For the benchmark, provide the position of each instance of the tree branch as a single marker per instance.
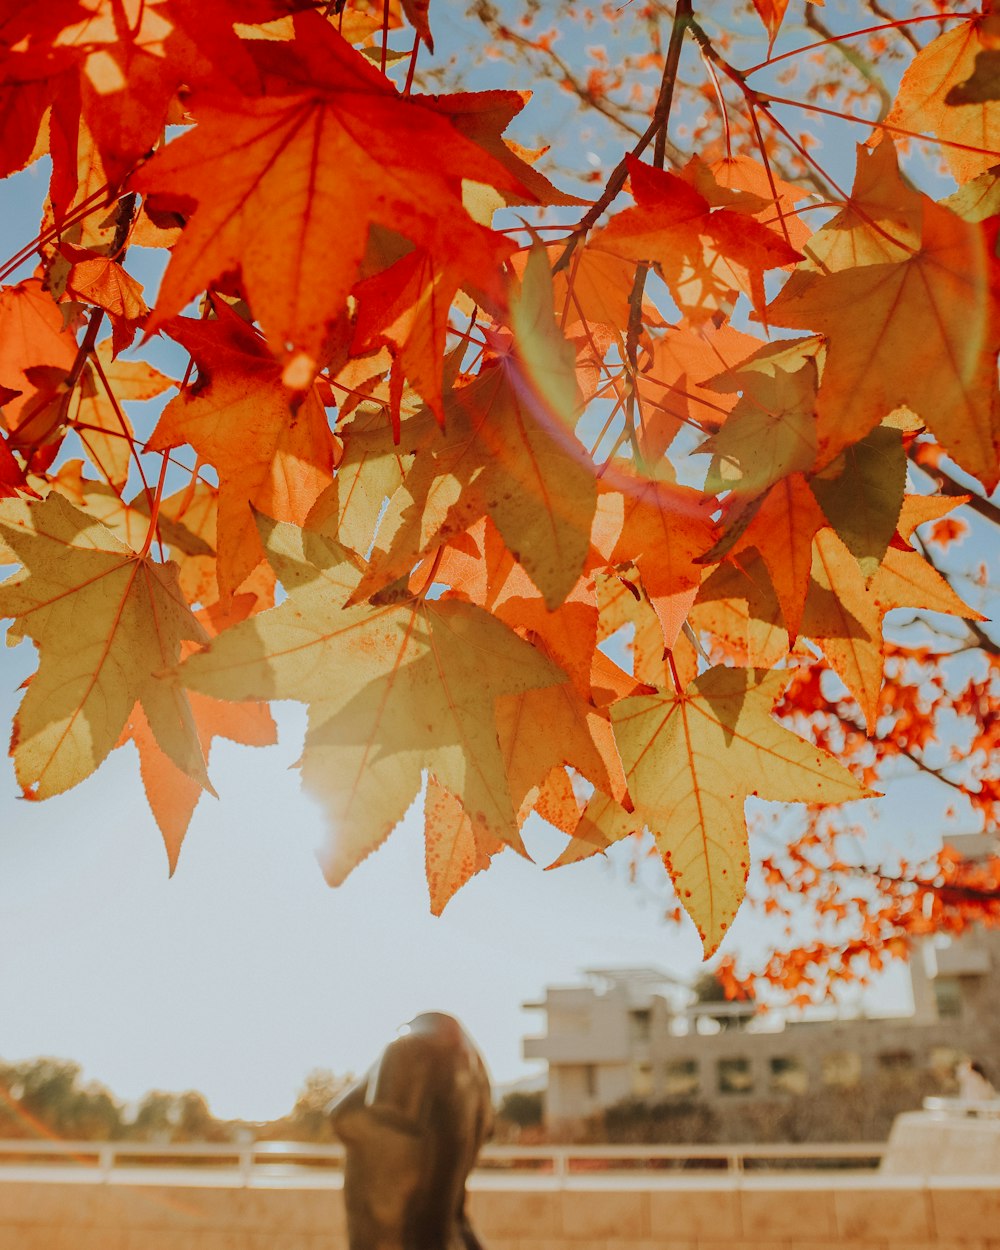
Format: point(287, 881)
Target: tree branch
point(950, 486)
point(661, 115)
point(855, 59)
point(682, 17)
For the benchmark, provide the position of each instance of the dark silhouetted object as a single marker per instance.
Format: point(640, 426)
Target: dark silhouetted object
point(412, 1128)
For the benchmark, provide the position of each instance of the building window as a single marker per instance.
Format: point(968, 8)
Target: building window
point(680, 1078)
point(735, 1076)
point(590, 1079)
point(948, 997)
point(896, 1063)
point(642, 1080)
point(639, 1025)
point(788, 1075)
point(841, 1069)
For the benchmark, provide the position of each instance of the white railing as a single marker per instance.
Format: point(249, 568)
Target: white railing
point(250, 1158)
point(983, 1108)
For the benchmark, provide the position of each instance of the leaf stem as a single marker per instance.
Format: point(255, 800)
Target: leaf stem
point(87, 344)
point(126, 433)
point(385, 34)
point(154, 511)
point(897, 24)
point(674, 675)
point(413, 64)
point(431, 572)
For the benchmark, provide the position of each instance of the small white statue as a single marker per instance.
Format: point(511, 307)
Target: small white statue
point(973, 1084)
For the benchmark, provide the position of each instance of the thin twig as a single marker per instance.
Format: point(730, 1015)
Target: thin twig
point(855, 59)
point(682, 18)
point(661, 115)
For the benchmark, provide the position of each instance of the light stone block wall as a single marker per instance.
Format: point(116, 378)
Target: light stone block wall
point(951, 1144)
point(628, 1213)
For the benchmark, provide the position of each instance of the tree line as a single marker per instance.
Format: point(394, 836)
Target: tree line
point(48, 1097)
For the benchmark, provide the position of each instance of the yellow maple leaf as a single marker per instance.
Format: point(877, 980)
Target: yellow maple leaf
point(392, 690)
point(693, 758)
point(930, 98)
point(106, 622)
point(919, 330)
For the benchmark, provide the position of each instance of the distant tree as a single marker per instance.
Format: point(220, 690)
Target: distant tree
point(155, 1117)
point(522, 1107)
point(709, 989)
point(308, 1120)
point(195, 1121)
point(44, 1095)
point(166, 1117)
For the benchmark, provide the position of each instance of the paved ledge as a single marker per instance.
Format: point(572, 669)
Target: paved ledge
point(77, 1211)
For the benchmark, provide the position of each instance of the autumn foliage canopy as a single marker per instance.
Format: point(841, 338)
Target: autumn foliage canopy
point(576, 489)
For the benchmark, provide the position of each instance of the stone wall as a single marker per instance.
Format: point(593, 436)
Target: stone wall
point(805, 1212)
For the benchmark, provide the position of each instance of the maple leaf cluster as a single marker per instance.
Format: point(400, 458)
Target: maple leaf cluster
point(523, 531)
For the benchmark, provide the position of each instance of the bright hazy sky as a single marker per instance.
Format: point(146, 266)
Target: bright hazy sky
point(245, 971)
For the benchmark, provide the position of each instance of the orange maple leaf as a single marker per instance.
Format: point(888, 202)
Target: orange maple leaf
point(926, 102)
point(171, 793)
point(455, 846)
point(406, 306)
point(672, 384)
point(662, 529)
point(239, 398)
point(32, 335)
point(268, 176)
point(102, 281)
point(110, 74)
point(706, 255)
point(921, 330)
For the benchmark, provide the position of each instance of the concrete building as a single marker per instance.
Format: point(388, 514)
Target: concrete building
point(636, 1033)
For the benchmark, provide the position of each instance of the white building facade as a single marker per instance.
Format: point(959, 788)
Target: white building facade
point(634, 1033)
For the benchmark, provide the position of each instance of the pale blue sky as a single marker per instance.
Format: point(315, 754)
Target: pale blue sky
point(245, 970)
